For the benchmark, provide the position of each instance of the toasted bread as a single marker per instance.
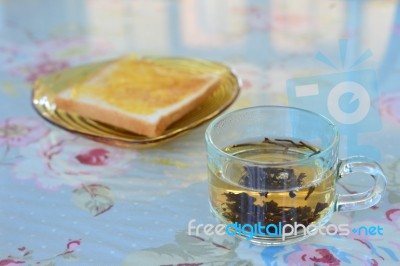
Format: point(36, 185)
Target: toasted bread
point(138, 95)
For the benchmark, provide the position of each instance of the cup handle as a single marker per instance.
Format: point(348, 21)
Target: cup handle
point(366, 199)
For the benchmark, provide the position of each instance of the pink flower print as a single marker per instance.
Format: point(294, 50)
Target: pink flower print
point(65, 159)
point(25, 256)
point(10, 262)
point(378, 246)
point(309, 255)
point(393, 214)
point(19, 132)
point(73, 244)
point(94, 157)
point(252, 77)
point(389, 107)
point(325, 257)
point(45, 68)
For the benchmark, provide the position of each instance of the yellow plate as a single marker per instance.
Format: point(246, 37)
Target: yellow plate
point(45, 88)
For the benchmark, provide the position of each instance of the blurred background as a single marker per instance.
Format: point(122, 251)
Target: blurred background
point(262, 32)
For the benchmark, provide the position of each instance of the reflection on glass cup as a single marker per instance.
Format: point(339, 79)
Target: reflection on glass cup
point(272, 167)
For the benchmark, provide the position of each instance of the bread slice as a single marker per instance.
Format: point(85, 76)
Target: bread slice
point(138, 95)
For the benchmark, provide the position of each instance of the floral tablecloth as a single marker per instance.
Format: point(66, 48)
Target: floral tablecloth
point(66, 200)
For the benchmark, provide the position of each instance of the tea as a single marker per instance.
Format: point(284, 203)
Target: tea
point(249, 193)
point(276, 191)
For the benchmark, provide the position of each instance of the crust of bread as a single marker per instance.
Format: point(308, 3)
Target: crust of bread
point(125, 121)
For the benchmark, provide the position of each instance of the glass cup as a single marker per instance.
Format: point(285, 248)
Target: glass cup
point(273, 171)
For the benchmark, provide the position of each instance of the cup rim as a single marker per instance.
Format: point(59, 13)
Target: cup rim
point(322, 153)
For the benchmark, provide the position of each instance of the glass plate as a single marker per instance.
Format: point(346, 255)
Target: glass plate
point(45, 88)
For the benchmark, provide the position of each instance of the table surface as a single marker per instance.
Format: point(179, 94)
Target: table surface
point(66, 200)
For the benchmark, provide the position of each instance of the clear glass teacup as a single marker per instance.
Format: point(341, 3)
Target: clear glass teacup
point(273, 171)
